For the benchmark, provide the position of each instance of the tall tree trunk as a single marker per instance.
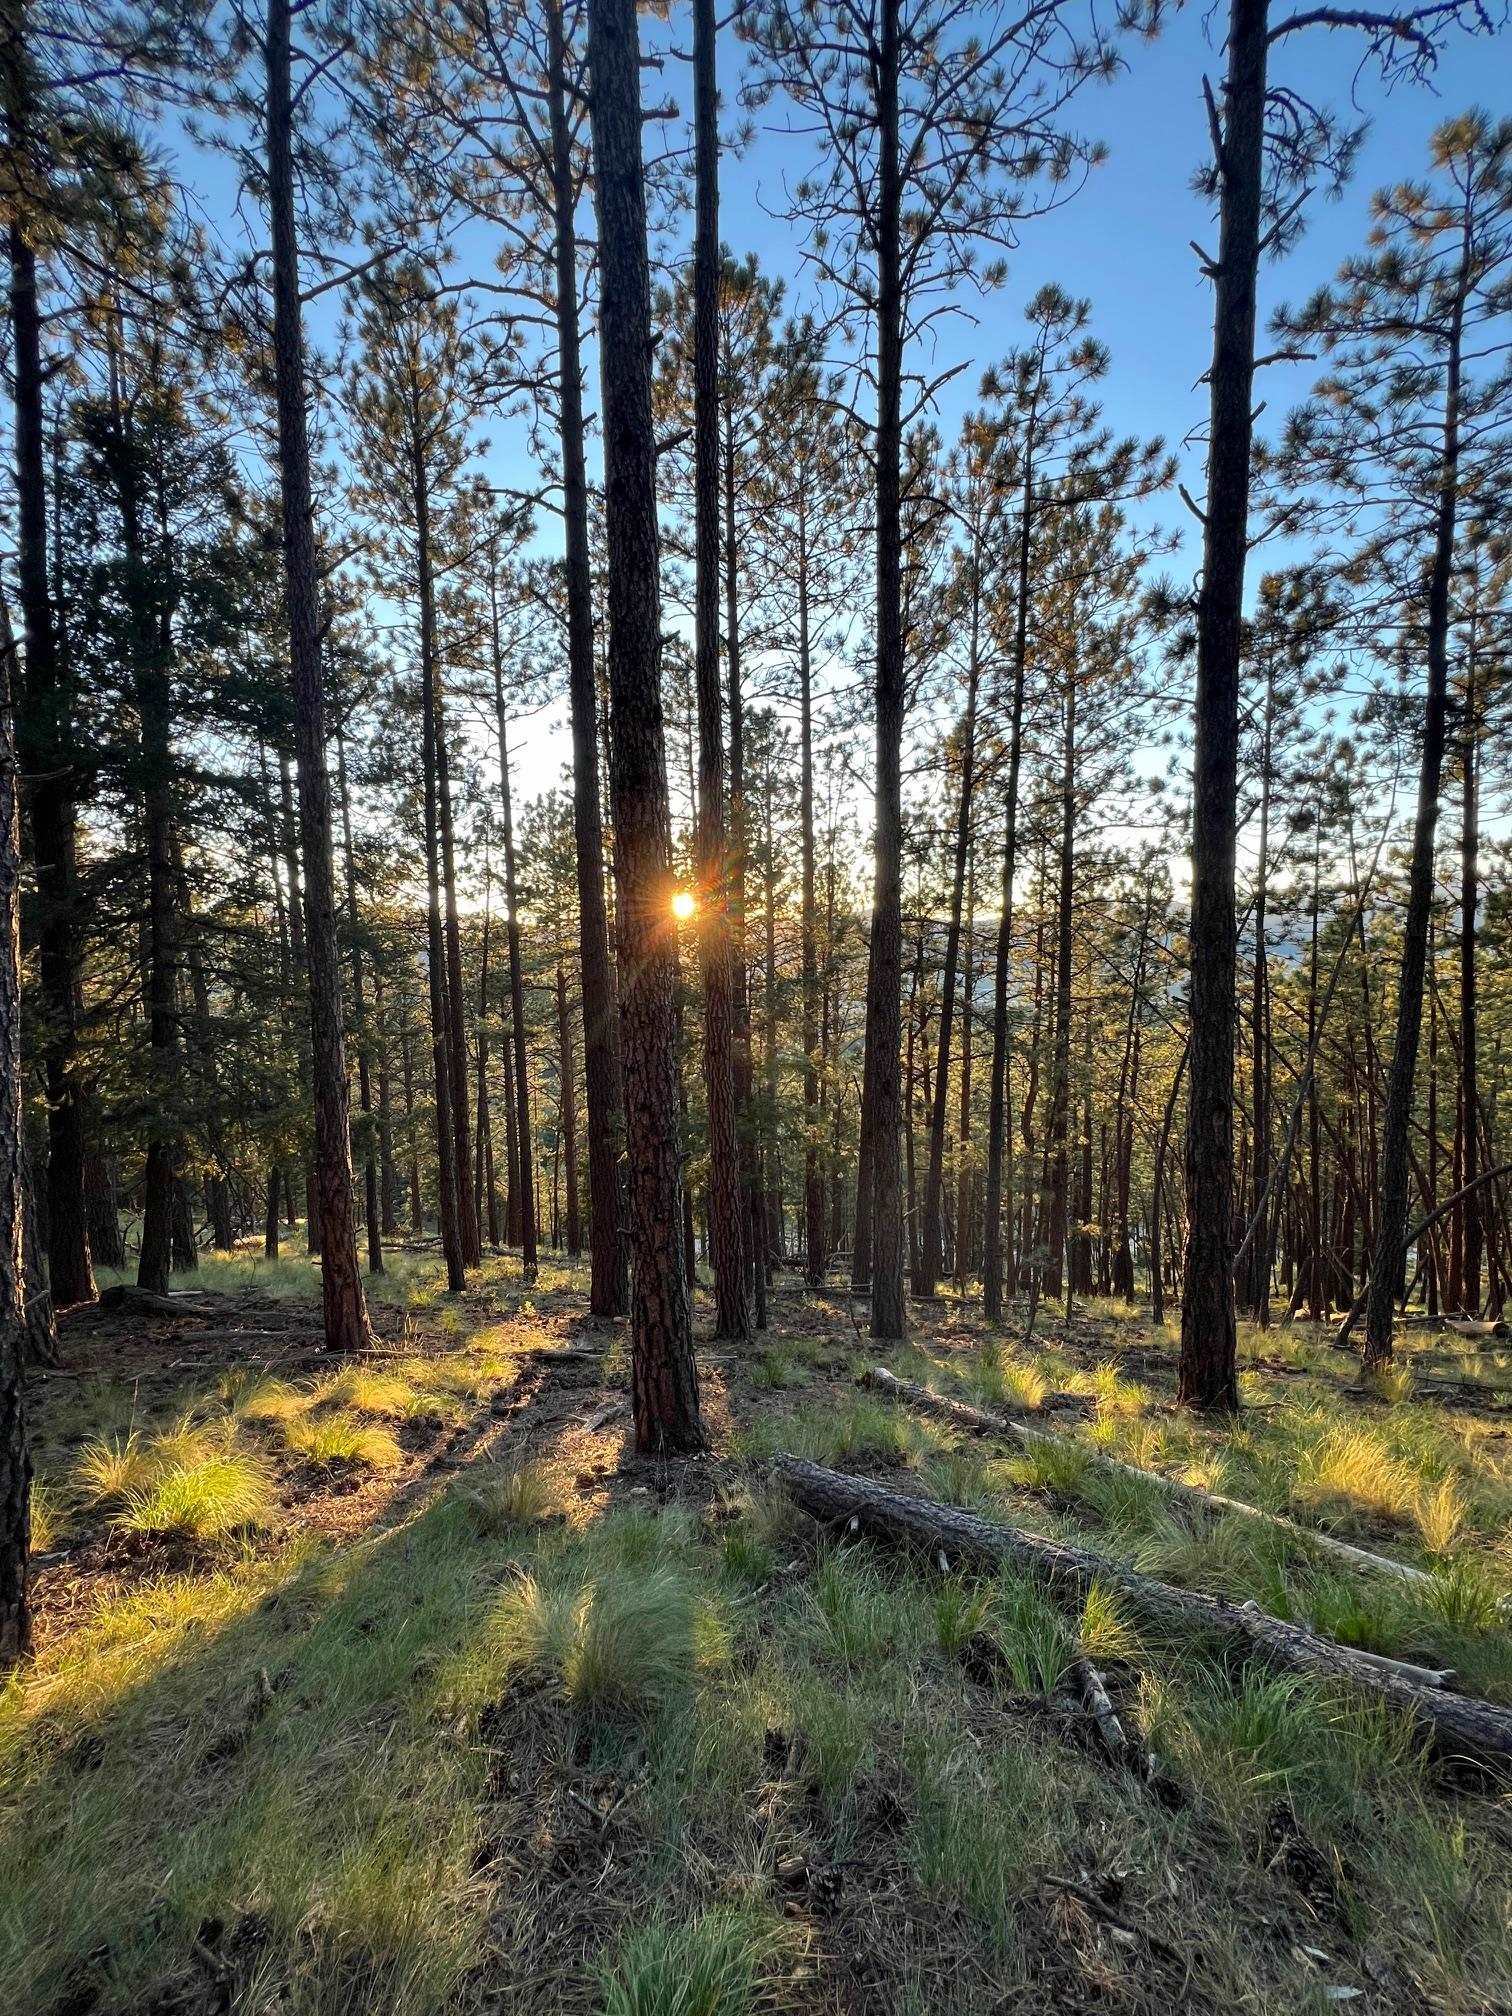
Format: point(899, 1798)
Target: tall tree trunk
point(1471, 1234)
point(346, 1324)
point(566, 1071)
point(965, 1243)
point(359, 1015)
point(389, 1178)
point(741, 1048)
point(732, 1308)
point(407, 1067)
point(485, 1188)
point(933, 1254)
point(889, 1315)
point(994, 1202)
point(1391, 1213)
point(457, 1050)
point(453, 1247)
point(609, 1290)
point(298, 977)
point(1060, 1104)
point(516, 964)
point(1208, 1377)
point(150, 649)
point(813, 1117)
point(664, 1379)
point(15, 1455)
point(1256, 1284)
point(45, 740)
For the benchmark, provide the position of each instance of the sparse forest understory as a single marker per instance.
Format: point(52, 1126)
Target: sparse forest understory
point(847, 1353)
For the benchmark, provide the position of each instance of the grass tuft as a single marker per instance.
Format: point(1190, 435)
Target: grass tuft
point(259, 1396)
point(203, 1500)
point(509, 1498)
point(710, 1967)
point(610, 1645)
point(330, 1439)
point(366, 1391)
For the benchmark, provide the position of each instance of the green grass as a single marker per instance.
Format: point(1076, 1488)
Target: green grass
point(710, 1966)
point(329, 1439)
point(503, 1749)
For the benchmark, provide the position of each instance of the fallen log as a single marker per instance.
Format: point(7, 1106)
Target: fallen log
point(1457, 1728)
point(128, 1300)
point(983, 1423)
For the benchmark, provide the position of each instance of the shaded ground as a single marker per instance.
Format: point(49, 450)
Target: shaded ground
point(490, 1714)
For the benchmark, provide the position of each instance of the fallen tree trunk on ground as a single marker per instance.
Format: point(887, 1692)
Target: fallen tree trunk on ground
point(996, 1424)
point(1457, 1728)
point(127, 1300)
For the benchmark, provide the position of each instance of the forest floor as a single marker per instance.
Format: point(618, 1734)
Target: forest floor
point(403, 1686)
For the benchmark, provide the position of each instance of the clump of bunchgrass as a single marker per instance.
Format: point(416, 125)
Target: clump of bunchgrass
point(109, 1466)
point(778, 1368)
point(49, 1517)
point(508, 1498)
point(1117, 1395)
point(1441, 1510)
point(1105, 1630)
point(1351, 1472)
point(363, 1390)
point(961, 1612)
point(606, 1644)
point(1009, 1382)
point(1032, 1638)
point(205, 1499)
point(1057, 1468)
point(261, 1397)
point(336, 1440)
point(709, 1967)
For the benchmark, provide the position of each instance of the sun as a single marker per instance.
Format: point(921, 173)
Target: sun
point(683, 905)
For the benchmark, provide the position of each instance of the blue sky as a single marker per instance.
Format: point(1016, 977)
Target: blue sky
point(1123, 242)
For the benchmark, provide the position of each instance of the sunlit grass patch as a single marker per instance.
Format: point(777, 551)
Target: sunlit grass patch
point(1117, 1395)
point(1351, 1473)
point(111, 1465)
point(1105, 1629)
point(260, 1396)
point(49, 1517)
point(606, 1644)
point(110, 1469)
point(1441, 1511)
point(364, 1390)
point(1391, 1383)
point(206, 1499)
point(330, 1439)
point(711, 1966)
point(1003, 1381)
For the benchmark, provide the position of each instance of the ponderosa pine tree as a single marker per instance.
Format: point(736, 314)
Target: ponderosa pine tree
point(890, 89)
point(1053, 452)
point(502, 82)
point(727, 1208)
point(15, 1456)
point(664, 1378)
point(1410, 432)
point(1270, 145)
point(346, 1324)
